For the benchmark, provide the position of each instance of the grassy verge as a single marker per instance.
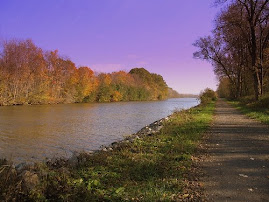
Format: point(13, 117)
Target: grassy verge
point(149, 169)
point(253, 110)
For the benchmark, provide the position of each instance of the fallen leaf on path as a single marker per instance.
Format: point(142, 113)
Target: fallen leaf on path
point(250, 189)
point(242, 175)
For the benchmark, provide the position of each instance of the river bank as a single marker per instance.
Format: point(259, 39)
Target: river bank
point(151, 165)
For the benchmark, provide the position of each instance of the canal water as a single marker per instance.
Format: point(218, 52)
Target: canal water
point(34, 133)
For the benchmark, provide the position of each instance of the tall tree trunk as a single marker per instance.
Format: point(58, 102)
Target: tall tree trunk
point(257, 85)
point(253, 53)
point(238, 85)
point(261, 79)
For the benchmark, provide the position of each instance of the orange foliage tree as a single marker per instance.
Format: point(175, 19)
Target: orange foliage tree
point(28, 75)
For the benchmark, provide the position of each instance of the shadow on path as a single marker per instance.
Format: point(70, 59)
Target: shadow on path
point(238, 165)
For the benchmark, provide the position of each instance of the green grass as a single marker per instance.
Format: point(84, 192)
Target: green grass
point(149, 169)
point(253, 110)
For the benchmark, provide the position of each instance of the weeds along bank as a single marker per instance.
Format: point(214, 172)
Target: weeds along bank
point(255, 109)
point(147, 168)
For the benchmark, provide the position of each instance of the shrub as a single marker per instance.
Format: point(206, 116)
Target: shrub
point(263, 102)
point(207, 96)
point(247, 100)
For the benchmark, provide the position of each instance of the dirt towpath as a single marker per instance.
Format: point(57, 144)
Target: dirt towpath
point(237, 168)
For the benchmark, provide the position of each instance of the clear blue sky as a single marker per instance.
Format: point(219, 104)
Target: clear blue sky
point(112, 35)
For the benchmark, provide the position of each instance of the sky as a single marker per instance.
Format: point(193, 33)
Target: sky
point(113, 35)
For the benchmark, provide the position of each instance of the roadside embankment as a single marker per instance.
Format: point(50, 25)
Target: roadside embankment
point(255, 109)
point(151, 165)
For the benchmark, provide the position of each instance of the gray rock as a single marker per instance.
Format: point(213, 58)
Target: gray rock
point(114, 143)
point(73, 161)
point(20, 167)
point(105, 149)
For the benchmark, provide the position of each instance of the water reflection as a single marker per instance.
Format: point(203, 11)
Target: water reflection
point(31, 133)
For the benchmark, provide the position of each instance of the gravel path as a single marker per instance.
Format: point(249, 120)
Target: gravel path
point(237, 168)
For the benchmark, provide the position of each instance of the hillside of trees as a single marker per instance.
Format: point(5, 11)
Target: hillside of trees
point(238, 48)
point(30, 75)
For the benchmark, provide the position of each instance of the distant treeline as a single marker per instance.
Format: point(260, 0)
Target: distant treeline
point(29, 75)
point(239, 48)
point(174, 94)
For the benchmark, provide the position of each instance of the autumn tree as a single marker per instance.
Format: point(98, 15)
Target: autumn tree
point(70, 80)
point(237, 47)
point(104, 93)
point(154, 86)
point(224, 87)
point(121, 82)
point(23, 68)
point(255, 18)
point(86, 85)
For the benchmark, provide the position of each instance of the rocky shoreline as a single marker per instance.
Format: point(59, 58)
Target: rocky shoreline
point(148, 130)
